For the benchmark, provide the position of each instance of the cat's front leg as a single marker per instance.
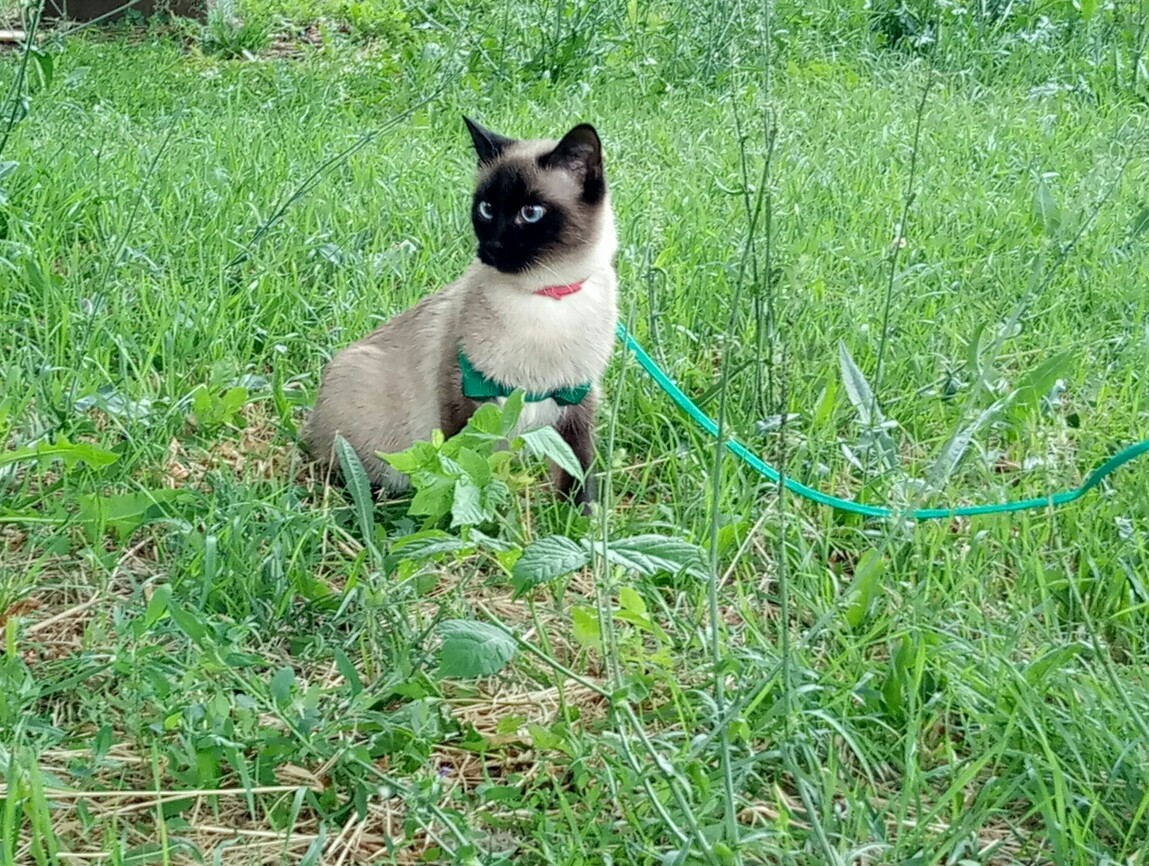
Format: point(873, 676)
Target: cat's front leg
point(576, 426)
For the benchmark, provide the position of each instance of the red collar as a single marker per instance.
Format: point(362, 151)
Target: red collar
point(560, 292)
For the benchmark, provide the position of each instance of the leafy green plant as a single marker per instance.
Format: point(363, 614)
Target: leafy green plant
point(212, 410)
point(67, 452)
point(473, 649)
point(648, 555)
point(124, 513)
point(470, 475)
point(386, 20)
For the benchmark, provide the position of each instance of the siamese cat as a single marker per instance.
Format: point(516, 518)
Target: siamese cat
point(536, 309)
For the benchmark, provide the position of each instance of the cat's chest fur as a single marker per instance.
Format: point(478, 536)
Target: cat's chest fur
point(540, 343)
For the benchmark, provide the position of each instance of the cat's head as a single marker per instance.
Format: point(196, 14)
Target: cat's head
point(537, 202)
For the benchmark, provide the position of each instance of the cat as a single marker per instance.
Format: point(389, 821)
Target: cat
point(535, 309)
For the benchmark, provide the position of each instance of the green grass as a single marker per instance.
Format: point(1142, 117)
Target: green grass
point(207, 656)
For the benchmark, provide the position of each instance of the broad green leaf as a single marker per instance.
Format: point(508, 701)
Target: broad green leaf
point(492, 793)
point(43, 66)
point(725, 855)
point(280, 685)
point(401, 461)
point(475, 465)
point(869, 413)
point(493, 543)
point(824, 408)
point(448, 467)
point(1140, 224)
point(125, 513)
point(955, 448)
point(434, 499)
point(212, 409)
point(546, 559)
point(650, 554)
point(359, 486)
point(424, 545)
point(102, 742)
point(467, 504)
point(499, 461)
point(187, 622)
point(629, 600)
point(495, 494)
point(70, 453)
point(111, 401)
point(546, 442)
point(900, 679)
point(233, 400)
point(864, 587)
point(858, 388)
point(348, 672)
point(157, 604)
point(511, 412)
point(1052, 661)
point(1038, 382)
point(420, 455)
point(487, 419)
point(545, 739)
point(510, 724)
point(473, 649)
point(731, 535)
point(585, 626)
point(632, 609)
point(1048, 214)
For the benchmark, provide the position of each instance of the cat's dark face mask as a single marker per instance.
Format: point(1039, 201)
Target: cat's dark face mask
point(532, 205)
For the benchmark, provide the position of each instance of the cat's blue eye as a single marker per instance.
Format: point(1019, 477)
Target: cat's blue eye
point(485, 210)
point(532, 213)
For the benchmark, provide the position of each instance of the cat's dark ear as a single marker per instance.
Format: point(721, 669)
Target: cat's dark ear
point(488, 145)
point(580, 152)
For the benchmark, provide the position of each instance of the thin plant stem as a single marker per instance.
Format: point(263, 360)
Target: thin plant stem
point(716, 654)
point(834, 612)
point(899, 239)
point(16, 91)
point(109, 264)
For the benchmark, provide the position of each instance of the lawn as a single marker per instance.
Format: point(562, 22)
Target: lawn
point(900, 252)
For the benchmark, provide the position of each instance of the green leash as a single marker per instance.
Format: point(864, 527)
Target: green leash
point(1125, 455)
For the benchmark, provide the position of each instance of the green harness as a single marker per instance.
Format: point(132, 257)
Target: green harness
point(478, 386)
